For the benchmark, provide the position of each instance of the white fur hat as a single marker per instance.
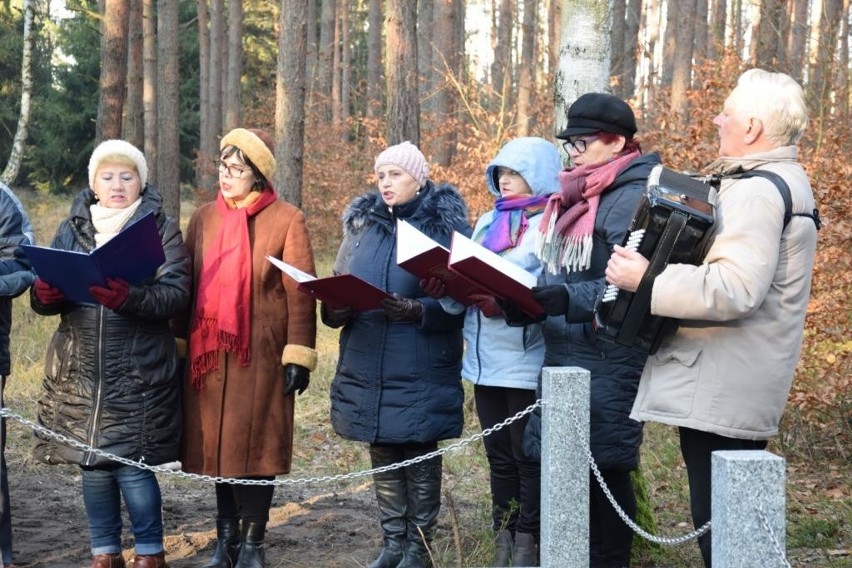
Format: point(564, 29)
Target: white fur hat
point(110, 149)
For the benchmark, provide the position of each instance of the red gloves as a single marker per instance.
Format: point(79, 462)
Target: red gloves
point(114, 296)
point(487, 305)
point(46, 293)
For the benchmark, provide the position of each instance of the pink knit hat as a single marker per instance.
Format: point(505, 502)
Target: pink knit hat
point(408, 157)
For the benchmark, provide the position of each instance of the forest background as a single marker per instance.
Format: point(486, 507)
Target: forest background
point(338, 80)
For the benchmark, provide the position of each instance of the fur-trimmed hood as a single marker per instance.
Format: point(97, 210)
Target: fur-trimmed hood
point(440, 208)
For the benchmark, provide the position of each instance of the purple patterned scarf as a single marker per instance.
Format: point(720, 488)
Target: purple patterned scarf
point(510, 220)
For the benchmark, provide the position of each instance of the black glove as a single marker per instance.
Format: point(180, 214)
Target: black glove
point(515, 316)
point(335, 317)
point(296, 378)
point(552, 299)
point(402, 309)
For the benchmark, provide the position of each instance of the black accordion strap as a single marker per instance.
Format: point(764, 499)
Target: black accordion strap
point(658, 261)
point(784, 190)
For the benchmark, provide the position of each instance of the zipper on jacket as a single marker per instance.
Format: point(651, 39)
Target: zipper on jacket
point(99, 386)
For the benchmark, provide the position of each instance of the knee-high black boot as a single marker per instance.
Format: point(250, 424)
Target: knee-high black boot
point(252, 551)
point(227, 544)
point(390, 495)
point(424, 503)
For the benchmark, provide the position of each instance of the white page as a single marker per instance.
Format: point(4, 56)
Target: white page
point(410, 241)
point(464, 247)
point(290, 270)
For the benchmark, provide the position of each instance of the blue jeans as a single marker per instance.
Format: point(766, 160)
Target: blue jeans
point(102, 492)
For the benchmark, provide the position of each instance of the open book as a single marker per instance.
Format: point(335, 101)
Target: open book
point(339, 291)
point(134, 254)
point(425, 257)
point(502, 278)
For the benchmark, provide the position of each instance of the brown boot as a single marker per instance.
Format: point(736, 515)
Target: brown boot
point(151, 561)
point(108, 561)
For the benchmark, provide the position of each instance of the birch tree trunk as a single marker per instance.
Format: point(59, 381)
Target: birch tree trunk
point(13, 165)
point(290, 94)
point(584, 53)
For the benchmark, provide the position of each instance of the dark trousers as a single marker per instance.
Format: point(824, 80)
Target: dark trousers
point(5, 505)
point(696, 447)
point(610, 539)
point(515, 480)
point(250, 503)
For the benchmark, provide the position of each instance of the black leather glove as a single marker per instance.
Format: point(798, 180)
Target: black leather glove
point(402, 309)
point(552, 299)
point(335, 317)
point(515, 316)
point(296, 378)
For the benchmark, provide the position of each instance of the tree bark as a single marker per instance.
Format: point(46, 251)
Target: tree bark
point(231, 109)
point(797, 45)
point(718, 15)
point(168, 108)
point(769, 48)
point(631, 47)
point(149, 95)
point(554, 19)
point(375, 93)
point(617, 39)
point(501, 68)
point(134, 122)
point(325, 63)
point(290, 94)
point(822, 71)
point(113, 70)
point(682, 64)
point(526, 71)
point(428, 30)
point(403, 111)
point(444, 66)
point(13, 165)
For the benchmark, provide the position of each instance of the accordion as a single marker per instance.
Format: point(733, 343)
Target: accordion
point(669, 225)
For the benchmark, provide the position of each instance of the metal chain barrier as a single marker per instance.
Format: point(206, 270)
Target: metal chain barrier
point(775, 544)
point(6, 413)
point(672, 541)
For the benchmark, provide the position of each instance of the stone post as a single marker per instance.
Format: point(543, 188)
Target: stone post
point(565, 468)
point(747, 503)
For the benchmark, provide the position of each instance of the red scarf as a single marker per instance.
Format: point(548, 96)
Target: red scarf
point(223, 301)
point(568, 222)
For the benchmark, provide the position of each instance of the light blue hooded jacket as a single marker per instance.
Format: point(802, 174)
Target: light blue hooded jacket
point(498, 355)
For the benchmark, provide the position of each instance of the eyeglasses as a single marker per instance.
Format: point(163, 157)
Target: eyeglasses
point(579, 145)
point(234, 171)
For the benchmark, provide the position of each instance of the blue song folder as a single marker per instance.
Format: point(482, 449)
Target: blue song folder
point(134, 255)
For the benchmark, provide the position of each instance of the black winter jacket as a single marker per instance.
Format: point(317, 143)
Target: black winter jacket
point(15, 272)
point(110, 376)
point(398, 382)
point(571, 341)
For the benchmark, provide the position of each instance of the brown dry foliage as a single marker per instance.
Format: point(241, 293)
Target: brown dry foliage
point(339, 166)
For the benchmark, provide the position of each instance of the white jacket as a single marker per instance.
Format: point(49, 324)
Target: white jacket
point(729, 367)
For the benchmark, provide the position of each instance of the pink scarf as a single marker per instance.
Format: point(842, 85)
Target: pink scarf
point(565, 238)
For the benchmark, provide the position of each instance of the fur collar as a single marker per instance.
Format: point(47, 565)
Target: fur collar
point(441, 211)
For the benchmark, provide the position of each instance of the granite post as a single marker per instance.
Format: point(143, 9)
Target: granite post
point(565, 468)
point(747, 503)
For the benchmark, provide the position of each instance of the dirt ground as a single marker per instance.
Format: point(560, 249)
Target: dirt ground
point(317, 525)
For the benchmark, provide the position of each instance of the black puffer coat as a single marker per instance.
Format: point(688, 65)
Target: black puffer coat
point(110, 379)
point(398, 382)
point(571, 341)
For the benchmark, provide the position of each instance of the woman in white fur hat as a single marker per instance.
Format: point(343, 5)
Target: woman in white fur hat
point(110, 378)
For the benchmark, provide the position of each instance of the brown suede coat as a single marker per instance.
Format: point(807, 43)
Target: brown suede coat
point(240, 423)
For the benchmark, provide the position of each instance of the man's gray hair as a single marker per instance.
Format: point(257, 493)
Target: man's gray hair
point(774, 98)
